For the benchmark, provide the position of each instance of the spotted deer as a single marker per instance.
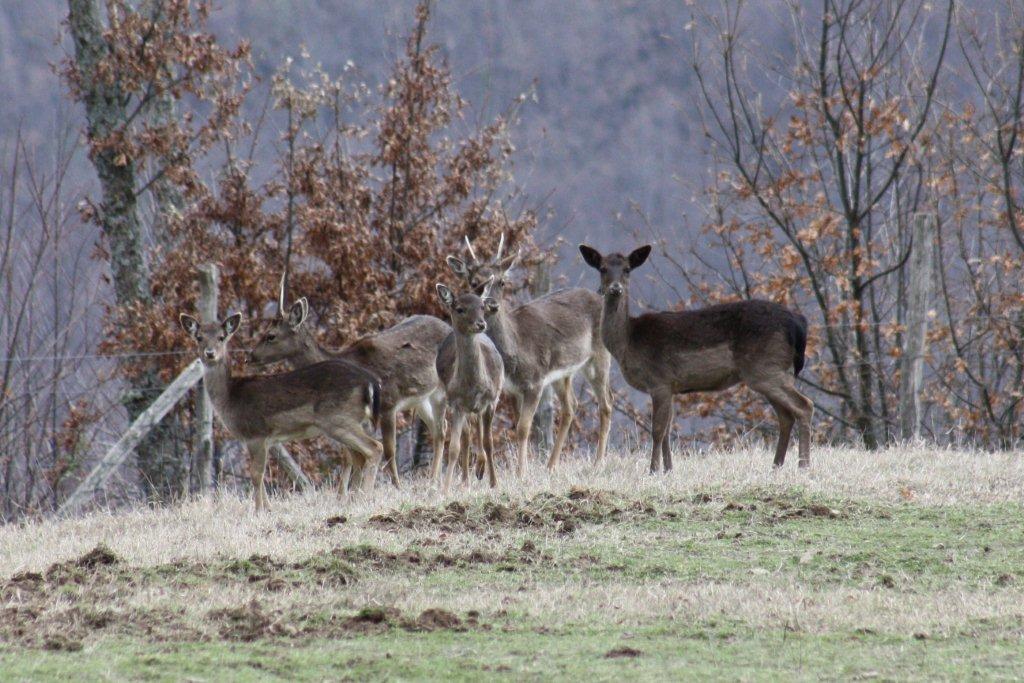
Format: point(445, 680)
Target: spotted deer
point(402, 357)
point(757, 343)
point(546, 341)
point(330, 398)
point(472, 373)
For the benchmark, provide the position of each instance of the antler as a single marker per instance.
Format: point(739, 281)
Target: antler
point(280, 296)
point(469, 248)
point(501, 248)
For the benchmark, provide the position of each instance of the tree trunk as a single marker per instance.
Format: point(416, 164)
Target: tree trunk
point(159, 462)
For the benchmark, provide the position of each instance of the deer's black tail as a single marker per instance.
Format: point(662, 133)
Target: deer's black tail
point(796, 331)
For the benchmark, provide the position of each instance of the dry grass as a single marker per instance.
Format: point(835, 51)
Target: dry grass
point(225, 525)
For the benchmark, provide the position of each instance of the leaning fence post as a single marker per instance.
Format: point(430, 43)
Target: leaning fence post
point(204, 447)
point(919, 292)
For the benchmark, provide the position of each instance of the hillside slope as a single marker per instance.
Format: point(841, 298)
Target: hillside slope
point(904, 564)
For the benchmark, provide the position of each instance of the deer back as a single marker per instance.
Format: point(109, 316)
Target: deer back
point(551, 335)
point(711, 348)
point(293, 402)
point(402, 356)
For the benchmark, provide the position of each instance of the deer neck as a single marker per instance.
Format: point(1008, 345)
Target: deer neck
point(502, 331)
point(217, 380)
point(309, 351)
point(615, 324)
point(468, 358)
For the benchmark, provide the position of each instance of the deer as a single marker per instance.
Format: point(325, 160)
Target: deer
point(472, 373)
point(546, 341)
point(402, 357)
point(330, 398)
point(760, 344)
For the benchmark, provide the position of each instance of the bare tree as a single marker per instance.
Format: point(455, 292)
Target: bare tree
point(818, 169)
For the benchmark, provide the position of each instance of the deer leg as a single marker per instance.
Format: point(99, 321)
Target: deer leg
point(346, 473)
point(486, 419)
point(803, 411)
point(785, 429)
point(367, 450)
point(666, 449)
point(481, 457)
point(455, 448)
point(258, 465)
point(568, 402)
point(597, 375)
point(388, 434)
point(661, 416)
point(438, 432)
point(527, 409)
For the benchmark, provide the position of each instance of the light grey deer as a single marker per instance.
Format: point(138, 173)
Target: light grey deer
point(545, 341)
point(757, 343)
point(331, 398)
point(472, 374)
point(402, 357)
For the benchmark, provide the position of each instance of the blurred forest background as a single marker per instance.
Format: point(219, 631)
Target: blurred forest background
point(772, 149)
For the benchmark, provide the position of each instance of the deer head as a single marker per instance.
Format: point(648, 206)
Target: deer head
point(615, 268)
point(476, 272)
point(284, 338)
point(212, 339)
point(467, 310)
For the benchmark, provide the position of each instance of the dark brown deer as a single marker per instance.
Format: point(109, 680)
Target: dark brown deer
point(331, 398)
point(758, 343)
point(472, 374)
point(401, 356)
point(545, 341)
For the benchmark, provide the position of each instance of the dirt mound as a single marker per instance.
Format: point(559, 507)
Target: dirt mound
point(245, 623)
point(100, 556)
point(562, 514)
point(621, 652)
point(435, 619)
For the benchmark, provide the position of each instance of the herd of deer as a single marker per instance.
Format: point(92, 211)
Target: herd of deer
point(459, 372)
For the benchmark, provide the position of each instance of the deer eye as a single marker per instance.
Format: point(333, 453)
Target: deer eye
point(271, 337)
point(460, 309)
point(603, 270)
point(199, 337)
point(221, 338)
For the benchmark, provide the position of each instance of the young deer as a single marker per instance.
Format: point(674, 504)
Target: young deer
point(472, 373)
point(330, 399)
point(401, 356)
point(758, 343)
point(545, 341)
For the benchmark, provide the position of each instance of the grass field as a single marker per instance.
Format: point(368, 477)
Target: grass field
point(904, 564)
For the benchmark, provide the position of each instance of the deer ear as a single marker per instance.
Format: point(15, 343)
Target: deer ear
point(447, 298)
point(638, 256)
point(592, 256)
point(491, 304)
point(231, 324)
point(189, 324)
point(297, 313)
point(458, 266)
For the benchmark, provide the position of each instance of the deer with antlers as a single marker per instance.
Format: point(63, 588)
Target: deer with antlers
point(402, 357)
point(757, 343)
point(546, 341)
point(331, 398)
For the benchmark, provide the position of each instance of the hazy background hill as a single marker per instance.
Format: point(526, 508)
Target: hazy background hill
point(614, 119)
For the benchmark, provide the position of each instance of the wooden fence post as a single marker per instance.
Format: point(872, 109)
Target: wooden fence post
point(204, 447)
point(542, 435)
point(124, 447)
point(919, 292)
